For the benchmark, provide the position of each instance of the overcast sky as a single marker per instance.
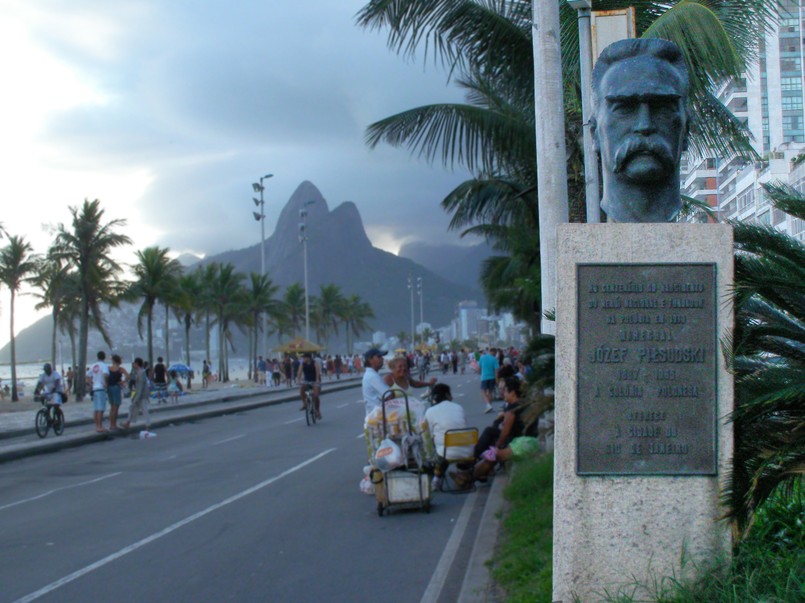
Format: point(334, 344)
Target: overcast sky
point(168, 110)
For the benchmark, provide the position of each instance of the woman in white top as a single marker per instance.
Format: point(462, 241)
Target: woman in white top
point(400, 379)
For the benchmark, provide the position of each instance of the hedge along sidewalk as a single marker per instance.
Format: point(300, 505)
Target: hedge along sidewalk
point(22, 441)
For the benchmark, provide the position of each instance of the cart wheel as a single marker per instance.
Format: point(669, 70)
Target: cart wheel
point(380, 509)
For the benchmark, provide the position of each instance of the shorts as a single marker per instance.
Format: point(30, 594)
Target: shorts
point(99, 400)
point(488, 384)
point(115, 396)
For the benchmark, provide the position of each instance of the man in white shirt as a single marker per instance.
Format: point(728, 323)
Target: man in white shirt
point(50, 382)
point(98, 378)
point(373, 385)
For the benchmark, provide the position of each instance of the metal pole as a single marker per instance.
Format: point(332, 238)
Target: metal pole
point(411, 289)
point(307, 304)
point(591, 185)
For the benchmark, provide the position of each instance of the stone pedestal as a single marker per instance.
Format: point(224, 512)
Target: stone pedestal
point(642, 396)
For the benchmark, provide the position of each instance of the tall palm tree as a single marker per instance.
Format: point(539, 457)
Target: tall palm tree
point(207, 276)
point(767, 356)
point(259, 300)
point(294, 300)
point(227, 294)
point(16, 265)
point(355, 315)
point(155, 275)
point(329, 308)
point(487, 48)
point(185, 304)
point(88, 246)
point(51, 282)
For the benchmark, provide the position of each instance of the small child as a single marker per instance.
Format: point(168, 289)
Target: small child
point(174, 388)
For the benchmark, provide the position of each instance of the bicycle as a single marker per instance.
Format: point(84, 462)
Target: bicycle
point(49, 416)
point(310, 409)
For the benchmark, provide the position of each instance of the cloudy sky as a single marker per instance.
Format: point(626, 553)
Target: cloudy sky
point(168, 110)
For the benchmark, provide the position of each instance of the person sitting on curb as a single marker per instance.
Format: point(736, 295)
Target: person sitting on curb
point(496, 439)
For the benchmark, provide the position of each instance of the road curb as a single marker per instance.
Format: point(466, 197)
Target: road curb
point(477, 586)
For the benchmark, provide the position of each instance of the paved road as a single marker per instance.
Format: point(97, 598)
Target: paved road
point(255, 506)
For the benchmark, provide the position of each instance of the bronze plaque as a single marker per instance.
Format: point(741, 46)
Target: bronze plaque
point(647, 353)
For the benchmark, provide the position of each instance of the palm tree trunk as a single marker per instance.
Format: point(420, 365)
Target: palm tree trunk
point(187, 348)
point(83, 342)
point(53, 339)
point(150, 336)
point(207, 334)
point(167, 337)
point(14, 396)
point(71, 333)
point(221, 345)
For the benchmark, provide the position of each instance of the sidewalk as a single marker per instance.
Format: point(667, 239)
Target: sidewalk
point(18, 437)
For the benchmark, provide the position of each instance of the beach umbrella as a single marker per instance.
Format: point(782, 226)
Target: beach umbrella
point(299, 345)
point(180, 368)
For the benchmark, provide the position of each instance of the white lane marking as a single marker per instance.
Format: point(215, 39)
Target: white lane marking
point(359, 402)
point(164, 532)
point(237, 437)
point(343, 405)
point(294, 421)
point(49, 492)
point(170, 458)
point(363, 435)
point(439, 576)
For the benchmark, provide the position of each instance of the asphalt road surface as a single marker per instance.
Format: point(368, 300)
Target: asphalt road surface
point(249, 507)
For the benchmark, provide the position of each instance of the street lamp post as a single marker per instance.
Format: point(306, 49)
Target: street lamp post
point(421, 308)
point(261, 217)
point(303, 240)
point(411, 289)
point(591, 187)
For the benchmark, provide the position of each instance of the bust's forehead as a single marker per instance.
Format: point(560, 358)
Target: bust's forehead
point(641, 76)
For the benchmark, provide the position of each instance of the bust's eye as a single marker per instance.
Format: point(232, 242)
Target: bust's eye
point(622, 107)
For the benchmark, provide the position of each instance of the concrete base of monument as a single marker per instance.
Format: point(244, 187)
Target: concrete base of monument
point(642, 395)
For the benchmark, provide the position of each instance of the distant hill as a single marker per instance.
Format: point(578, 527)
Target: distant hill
point(339, 252)
point(455, 263)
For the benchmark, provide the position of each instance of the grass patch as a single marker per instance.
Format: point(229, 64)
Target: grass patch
point(768, 566)
point(523, 563)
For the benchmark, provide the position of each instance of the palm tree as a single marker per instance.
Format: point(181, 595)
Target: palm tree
point(329, 309)
point(207, 277)
point(51, 281)
point(258, 300)
point(355, 315)
point(766, 355)
point(227, 293)
point(16, 264)
point(294, 300)
point(185, 304)
point(155, 275)
point(88, 247)
point(487, 49)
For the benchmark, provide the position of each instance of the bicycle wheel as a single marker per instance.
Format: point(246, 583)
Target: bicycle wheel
point(309, 416)
point(313, 414)
point(42, 423)
point(58, 421)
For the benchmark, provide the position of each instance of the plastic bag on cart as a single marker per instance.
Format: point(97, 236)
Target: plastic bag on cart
point(388, 455)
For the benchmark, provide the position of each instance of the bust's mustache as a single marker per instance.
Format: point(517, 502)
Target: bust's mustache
point(640, 145)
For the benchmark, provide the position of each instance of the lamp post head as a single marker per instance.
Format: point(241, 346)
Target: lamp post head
point(256, 201)
point(258, 216)
point(266, 177)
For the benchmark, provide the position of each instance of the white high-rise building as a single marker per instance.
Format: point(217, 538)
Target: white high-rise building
point(769, 100)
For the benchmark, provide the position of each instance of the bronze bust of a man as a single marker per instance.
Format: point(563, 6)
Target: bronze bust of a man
point(640, 127)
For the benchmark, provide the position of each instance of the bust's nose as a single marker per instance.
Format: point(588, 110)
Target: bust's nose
point(644, 124)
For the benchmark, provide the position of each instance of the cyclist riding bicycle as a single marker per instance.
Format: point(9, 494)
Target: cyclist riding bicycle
point(309, 376)
point(50, 382)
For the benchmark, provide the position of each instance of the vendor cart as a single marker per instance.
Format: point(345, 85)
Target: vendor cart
point(406, 486)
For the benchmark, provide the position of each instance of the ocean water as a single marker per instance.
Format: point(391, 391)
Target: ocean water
point(29, 372)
